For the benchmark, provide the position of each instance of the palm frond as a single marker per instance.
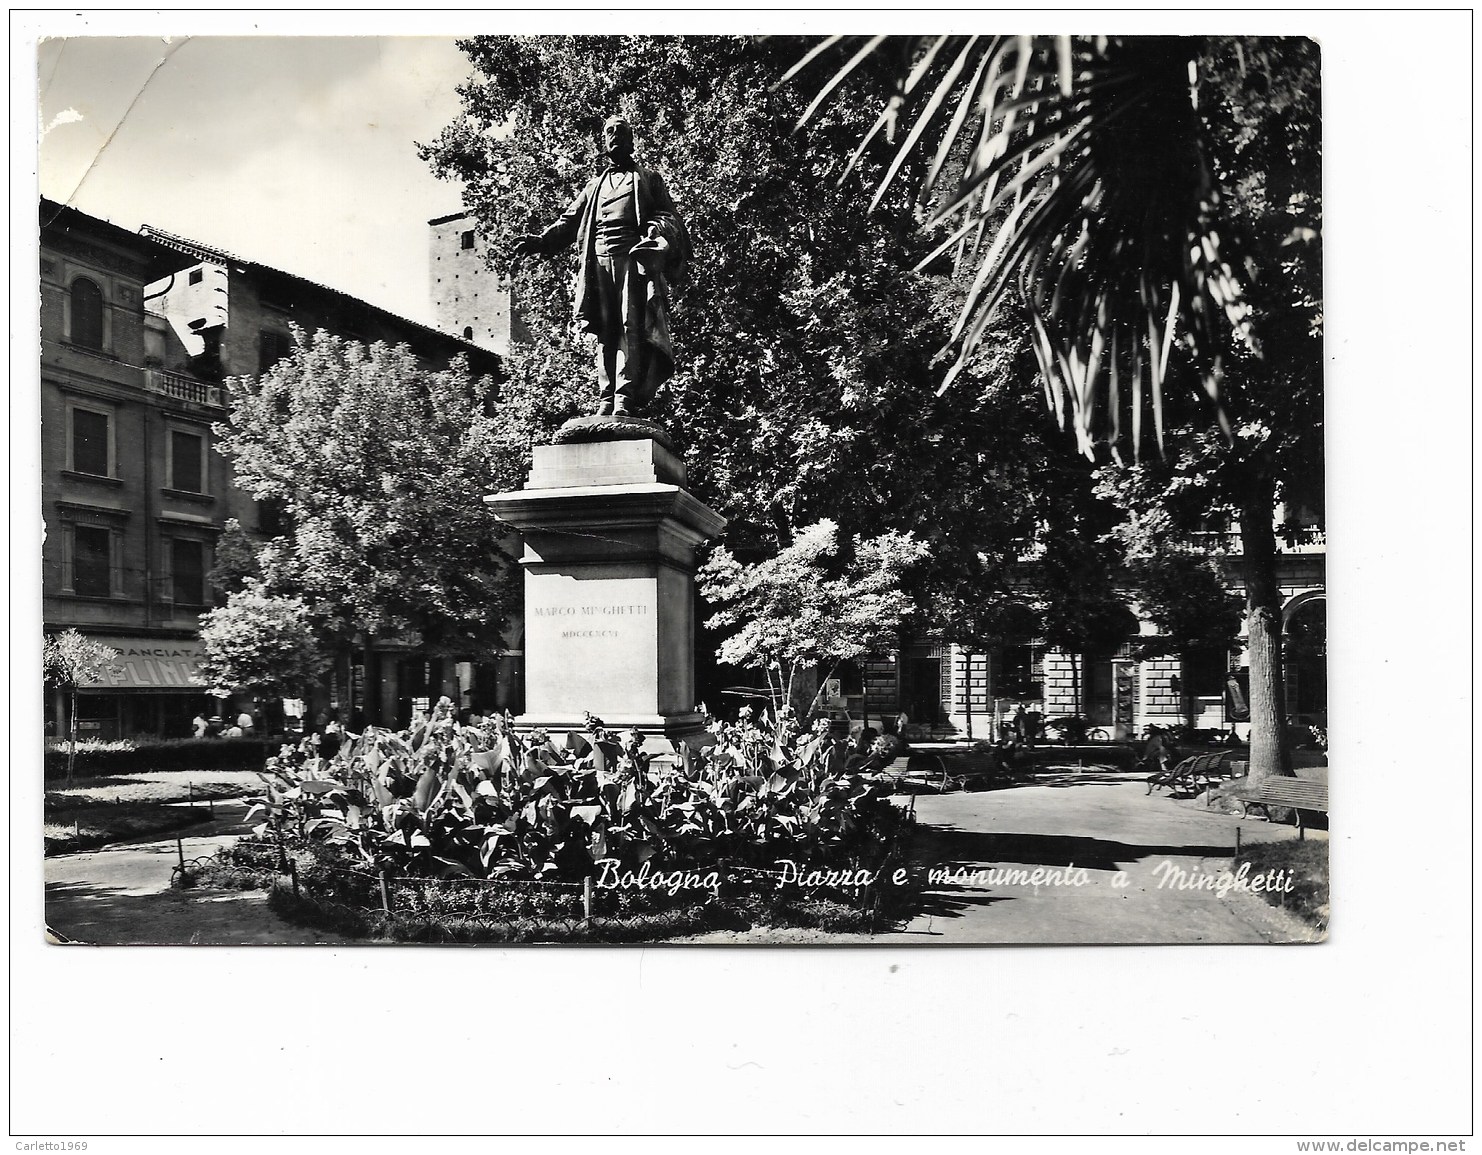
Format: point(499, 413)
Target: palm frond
point(839, 77)
point(927, 114)
point(1074, 168)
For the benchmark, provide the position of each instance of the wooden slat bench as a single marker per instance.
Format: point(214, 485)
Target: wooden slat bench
point(1193, 774)
point(1299, 795)
point(929, 771)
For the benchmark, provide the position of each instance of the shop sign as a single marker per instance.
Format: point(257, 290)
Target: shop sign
point(152, 664)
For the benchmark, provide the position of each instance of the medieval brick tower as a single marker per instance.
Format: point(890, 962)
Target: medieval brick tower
point(469, 299)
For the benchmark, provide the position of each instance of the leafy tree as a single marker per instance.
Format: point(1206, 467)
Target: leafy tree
point(1186, 597)
point(380, 467)
point(70, 660)
point(1154, 204)
point(236, 565)
point(822, 600)
point(975, 614)
point(259, 643)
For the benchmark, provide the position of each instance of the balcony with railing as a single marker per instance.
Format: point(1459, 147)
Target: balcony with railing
point(1303, 539)
point(179, 387)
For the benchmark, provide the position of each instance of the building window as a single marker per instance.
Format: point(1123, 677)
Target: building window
point(92, 561)
point(87, 314)
point(272, 517)
point(1204, 673)
point(188, 571)
point(91, 441)
point(196, 275)
point(468, 332)
point(187, 468)
point(465, 240)
point(272, 348)
point(1021, 674)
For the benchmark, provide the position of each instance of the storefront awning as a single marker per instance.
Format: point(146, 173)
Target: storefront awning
point(166, 665)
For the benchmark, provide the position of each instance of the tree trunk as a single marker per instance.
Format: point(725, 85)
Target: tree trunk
point(72, 738)
point(816, 701)
point(1269, 756)
point(1186, 696)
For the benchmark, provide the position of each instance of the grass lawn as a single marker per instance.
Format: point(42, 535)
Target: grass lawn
point(154, 786)
point(96, 811)
point(1305, 864)
point(89, 827)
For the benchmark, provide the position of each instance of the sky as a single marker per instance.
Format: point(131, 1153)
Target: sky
point(294, 152)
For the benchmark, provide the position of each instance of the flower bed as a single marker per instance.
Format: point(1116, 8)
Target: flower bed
point(462, 825)
point(308, 884)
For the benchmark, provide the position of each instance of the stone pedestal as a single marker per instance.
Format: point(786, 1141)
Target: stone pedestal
point(610, 535)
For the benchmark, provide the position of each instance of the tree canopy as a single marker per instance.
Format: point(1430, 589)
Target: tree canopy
point(261, 644)
point(822, 600)
point(380, 467)
point(71, 659)
point(1109, 179)
point(1188, 600)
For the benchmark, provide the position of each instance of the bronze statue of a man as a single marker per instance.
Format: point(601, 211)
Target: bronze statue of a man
point(632, 247)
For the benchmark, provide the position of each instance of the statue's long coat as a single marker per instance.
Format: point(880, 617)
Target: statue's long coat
point(578, 223)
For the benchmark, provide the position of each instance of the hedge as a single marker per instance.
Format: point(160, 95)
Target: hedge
point(97, 760)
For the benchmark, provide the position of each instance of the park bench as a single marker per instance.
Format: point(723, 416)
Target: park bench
point(933, 772)
point(963, 769)
point(1299, 795)
point(1193, 774)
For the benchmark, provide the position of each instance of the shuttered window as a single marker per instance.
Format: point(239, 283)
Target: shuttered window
point(87, 314)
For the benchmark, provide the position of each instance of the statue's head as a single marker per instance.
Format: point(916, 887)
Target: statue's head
point(617, 138)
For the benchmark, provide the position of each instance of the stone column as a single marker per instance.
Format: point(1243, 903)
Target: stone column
point(610, 535)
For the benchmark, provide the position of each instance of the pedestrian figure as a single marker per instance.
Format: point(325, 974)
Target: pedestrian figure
point(1155, 753)
point(1033, 725)
point(330, 739)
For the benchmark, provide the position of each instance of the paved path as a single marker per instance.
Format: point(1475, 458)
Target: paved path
point(120, 894)
point(1099, 823)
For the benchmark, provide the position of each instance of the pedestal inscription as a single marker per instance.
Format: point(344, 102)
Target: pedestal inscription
point(601, 633)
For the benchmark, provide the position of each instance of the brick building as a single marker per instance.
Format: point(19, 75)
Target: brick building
point(133, 495)
point(138, 332)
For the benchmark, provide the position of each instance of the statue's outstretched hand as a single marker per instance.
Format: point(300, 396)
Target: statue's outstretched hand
point(527, 245)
